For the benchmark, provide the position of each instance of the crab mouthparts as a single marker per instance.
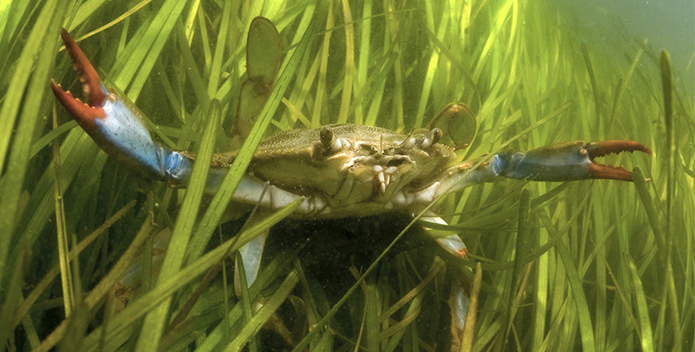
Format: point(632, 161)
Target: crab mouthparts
point(599, 149)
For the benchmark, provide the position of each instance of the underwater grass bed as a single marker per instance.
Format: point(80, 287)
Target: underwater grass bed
point(597, 265)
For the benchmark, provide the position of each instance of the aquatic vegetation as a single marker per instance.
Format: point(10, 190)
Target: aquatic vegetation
point(594, 266)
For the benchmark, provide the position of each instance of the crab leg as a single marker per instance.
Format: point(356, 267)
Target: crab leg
point(559, 162)
point(454, 245)
point(118, 128)
point(116, 125)
point(251, 254)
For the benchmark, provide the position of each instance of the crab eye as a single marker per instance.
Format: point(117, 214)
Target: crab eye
point(326, 136)
point(396, 162)
point(435, 135)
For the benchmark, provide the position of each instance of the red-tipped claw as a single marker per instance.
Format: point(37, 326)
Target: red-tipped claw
point(598, 149)
point(95, 94)
point(115, 124)
point(567, 161)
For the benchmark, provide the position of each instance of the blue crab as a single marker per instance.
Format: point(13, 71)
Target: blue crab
point(337, 171)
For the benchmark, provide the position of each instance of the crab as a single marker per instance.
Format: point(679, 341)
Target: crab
point(334, 171)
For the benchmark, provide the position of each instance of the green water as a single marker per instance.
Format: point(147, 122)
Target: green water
point(603, 265)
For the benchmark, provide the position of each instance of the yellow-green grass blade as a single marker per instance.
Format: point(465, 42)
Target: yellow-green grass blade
point(321, 91)
point(220, 335)
point(224, 194)
point(579, 298)
point(123, 322)
point(174, 258)
point(220, 48)
point(103, 287)
point(20, 112)
point(62, 236)
point(11, 15)
point(433, 62)
point(349, 75)
point(646, 338)
point(267, 310)
point(521, 237)
point(246, 305)
point(365, 29)
point(76, 148)
point(31, 298)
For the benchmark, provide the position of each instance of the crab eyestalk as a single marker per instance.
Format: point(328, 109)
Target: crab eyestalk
point(116, 125)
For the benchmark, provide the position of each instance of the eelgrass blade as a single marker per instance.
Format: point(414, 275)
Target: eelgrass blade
point(173, 260)
point(469, 329)
point(540, 309)
point(433, 62)
point(365, 28)
point(76, 148)
point(21, 108)
point(669, 294)
point(245, 302)
point(372, 311)
point(226, 191)
point(266, 311)
point(10, 19)
point(81, 246)
point(522, 233)
point(349, 75)
point(645, 337)
point(579, 298)
point(220, 48)
point(598, 97)
point(649, 207)
point(321, 92)
point(104, 286)
point(119, 326)
point(38, 145)
point(220, 336)
point(61, 231)
point(135, 63)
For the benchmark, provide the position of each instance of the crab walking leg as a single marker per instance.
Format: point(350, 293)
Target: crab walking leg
point(554, 163)
point(251, 254)
point(561, 162)
point(454, 245)
point(116, 125)
point(451, 243)
point(118, 128)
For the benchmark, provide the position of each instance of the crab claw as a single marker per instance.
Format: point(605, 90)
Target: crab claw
point(568, 161)
point(116, 125)
point(598, 149)
point(94, 92)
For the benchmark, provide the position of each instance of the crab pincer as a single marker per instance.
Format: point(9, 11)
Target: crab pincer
point(568, 161)
point(115, 124)
point(603, 171)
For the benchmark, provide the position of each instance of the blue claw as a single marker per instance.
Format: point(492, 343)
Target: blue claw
point(116, 125)
point(567, 162)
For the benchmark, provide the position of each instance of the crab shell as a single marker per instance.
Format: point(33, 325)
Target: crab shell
point(351, 170)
